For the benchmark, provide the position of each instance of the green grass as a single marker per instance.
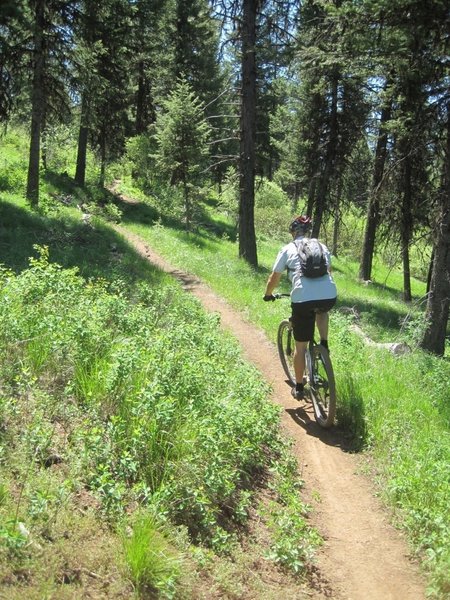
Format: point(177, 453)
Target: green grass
point(88, 373)
point(110, 378)
point(395, 407)
point(153, 562)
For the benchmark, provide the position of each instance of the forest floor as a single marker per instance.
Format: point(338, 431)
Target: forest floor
point(363, 556)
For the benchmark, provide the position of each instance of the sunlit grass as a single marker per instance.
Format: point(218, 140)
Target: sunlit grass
point(397, 407)
point(153, 562)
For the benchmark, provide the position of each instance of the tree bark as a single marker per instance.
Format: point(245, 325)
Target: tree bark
point(145, 113)
point(37, 105)
point(80, 171)
point(437, 310)
point(247, 237)
point(330, 158)
point(337, 219)
point(102, 159)
point(373, 209)
point(406, 221)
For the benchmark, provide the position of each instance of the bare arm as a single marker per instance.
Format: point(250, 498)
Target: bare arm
point(272, 282)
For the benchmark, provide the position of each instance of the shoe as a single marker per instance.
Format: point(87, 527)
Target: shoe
point(297, 394)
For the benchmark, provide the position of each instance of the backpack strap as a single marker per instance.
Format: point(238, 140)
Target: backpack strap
point(297, 248)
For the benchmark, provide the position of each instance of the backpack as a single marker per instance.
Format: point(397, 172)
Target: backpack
point(312, 258)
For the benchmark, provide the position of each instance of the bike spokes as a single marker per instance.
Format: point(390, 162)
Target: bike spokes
point(322, 386)
point(286, 347)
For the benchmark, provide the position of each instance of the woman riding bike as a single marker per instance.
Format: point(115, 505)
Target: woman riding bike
point(311, 297)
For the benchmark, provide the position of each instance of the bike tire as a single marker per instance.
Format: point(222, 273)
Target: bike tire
point(286, 347)
point(322, 386)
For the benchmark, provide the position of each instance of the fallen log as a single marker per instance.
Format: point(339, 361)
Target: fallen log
point(396, 348)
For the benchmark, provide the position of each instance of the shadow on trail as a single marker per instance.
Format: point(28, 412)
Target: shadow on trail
point(304, 417)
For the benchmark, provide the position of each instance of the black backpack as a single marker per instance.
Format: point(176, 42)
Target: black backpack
point(312, 258)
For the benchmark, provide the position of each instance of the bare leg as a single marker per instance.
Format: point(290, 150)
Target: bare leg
point(322, 325)
point(299, 360)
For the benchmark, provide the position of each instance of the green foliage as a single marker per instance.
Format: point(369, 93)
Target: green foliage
point(229, 196)
point(129, 382)
point(293, 540)
point(397, 409)
point(139, 160)
point(273, 210)
point(152, 560)
point(182, 133)
point(13, 165)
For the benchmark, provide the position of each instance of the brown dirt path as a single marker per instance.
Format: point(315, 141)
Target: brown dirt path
point(363, 557)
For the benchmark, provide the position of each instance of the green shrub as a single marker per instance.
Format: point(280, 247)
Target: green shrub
point(153, 563)
point(154, 423)
point(273, 210)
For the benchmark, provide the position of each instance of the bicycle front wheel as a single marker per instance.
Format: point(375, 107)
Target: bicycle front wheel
point(322, 387)
point(286, 347)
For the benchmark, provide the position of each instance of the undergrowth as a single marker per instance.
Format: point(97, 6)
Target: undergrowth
point(396, 408)
point(134, 401)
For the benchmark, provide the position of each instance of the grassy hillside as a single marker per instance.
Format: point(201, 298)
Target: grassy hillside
point(136, 446)
point(395, 408)
point(108, 436)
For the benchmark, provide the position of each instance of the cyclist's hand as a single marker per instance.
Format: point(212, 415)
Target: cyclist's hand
point(269, 298)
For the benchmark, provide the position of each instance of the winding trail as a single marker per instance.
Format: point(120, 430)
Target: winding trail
point(363, 557)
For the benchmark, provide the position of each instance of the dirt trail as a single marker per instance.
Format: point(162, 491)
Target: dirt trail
point(364, 557)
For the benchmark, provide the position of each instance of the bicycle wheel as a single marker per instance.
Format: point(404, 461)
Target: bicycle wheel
point(322, 388)
point(286, 347)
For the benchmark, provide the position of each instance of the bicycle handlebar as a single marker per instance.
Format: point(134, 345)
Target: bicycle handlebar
point(273, 297)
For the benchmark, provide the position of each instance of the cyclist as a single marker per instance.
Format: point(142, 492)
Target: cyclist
point(311, 298)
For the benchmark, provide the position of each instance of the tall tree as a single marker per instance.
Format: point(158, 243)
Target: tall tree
point(406, 51)
point(104, 81)
point(334, 109)
point(51, 23)
point(182, 133)
point(247, 237)
point(373, 207)
point(437, 310)
point(37, 102)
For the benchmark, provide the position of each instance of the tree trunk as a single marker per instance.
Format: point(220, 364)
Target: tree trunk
point(44, 141)
point(187, 203)
point(145, 112)
point(430, 271)
point(330, 159)
point(407, 297)
point(80, 171)
point(102, 160)
point(373, 209)
point(311, 196)
point(247, 237)
point(437, 311)
point(406, 222)
point(337, 219)
point(37, 105)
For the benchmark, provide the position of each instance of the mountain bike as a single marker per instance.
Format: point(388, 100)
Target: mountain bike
point(321, 387)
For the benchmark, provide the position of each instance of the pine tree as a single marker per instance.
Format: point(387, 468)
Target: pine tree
point(334, 108)
point(438, 303)
point(182, 135)
point(51, 24)
point(104, 81)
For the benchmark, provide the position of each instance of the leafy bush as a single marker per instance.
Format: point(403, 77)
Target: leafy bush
point(273, 210)
point(166, 412)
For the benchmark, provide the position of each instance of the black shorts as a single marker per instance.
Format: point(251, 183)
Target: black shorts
point(304, 317)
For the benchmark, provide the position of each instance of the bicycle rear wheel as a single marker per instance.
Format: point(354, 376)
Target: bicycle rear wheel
point(286, 347)
point(322, 387)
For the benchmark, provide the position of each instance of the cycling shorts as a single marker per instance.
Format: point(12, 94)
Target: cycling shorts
point(304, 317)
